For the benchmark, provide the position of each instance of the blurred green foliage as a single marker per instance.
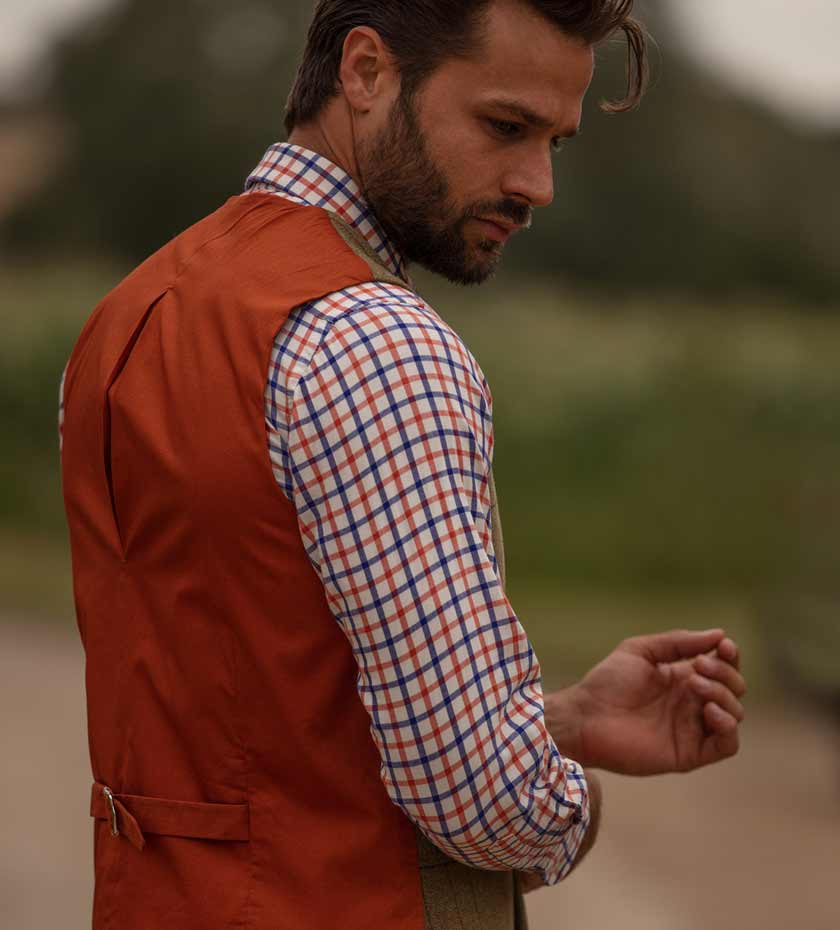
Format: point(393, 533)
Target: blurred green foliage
point(656, 446)
point(42, 313)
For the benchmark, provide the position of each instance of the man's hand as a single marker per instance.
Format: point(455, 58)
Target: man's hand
point(662, 703)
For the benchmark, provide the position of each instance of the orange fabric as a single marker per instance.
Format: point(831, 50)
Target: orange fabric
point(216, 673)
point(137, 816)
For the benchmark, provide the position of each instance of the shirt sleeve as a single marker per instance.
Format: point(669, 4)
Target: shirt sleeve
point(389, 450)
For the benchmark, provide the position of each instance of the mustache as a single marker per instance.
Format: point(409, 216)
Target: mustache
point(518, 213)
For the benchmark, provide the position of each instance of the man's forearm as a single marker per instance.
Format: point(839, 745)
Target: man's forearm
point(564, 713)
point(564, 720)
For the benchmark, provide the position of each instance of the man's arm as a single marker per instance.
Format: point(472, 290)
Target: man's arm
point(389, 445)
point(669, 702)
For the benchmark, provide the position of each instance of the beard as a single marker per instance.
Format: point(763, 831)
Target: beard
point(413, 202)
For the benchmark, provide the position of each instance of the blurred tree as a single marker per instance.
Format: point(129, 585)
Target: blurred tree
point(168, 105)
point(698, 190)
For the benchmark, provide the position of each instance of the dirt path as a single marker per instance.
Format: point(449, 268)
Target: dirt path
point(753, 844)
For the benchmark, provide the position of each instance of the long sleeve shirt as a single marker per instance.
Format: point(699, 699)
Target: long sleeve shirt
point(379, 431)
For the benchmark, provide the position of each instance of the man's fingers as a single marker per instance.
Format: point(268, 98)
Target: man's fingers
point(719, 745)
point(718, 720)
point(728, 651)
point(722, 697)
point(722, 671)
point(674, 645)
point(725, 737)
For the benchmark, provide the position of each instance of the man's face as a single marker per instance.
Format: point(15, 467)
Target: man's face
point(454, 172)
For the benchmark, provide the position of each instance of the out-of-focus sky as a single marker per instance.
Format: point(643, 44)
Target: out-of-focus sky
point(782, 51)
point(785, 53)
point(28, 26)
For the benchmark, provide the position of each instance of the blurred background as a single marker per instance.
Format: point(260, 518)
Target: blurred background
point(663, 353)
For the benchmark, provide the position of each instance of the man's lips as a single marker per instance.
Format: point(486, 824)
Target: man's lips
point(500, 232)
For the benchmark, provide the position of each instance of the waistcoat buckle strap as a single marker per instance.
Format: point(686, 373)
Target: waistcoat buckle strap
point(115, 826)
point(132, 816)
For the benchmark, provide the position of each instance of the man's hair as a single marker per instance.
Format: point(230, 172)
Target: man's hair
point(422, 34)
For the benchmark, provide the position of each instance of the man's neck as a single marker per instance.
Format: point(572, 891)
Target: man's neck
point(319, 139)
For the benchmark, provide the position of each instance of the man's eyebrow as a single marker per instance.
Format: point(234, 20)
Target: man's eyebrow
point(527, 115)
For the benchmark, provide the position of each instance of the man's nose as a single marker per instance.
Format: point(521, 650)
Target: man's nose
point(532, 179)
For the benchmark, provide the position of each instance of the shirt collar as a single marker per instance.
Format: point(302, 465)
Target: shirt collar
point(309, 178)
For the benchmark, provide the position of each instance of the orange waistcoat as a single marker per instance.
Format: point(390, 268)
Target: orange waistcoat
point(236, 781)
point(217, 679)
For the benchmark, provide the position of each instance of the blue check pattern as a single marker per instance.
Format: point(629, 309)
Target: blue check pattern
point(380, 433)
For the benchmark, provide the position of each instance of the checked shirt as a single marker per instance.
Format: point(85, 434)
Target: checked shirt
point(379, 430)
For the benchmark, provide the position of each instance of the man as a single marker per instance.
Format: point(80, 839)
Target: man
point(311, 704)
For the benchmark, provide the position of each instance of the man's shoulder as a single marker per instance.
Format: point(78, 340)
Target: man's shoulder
point(380, 315)
point(380, 305)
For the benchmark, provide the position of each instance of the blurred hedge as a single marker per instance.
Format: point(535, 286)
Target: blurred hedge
point(636, 447)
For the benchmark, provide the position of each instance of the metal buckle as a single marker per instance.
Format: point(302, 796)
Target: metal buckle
point(115, 828)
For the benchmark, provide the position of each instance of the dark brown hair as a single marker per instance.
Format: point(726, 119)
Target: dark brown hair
point(422, 34)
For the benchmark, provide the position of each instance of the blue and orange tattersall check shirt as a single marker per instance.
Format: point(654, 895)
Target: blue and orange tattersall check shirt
point(380, 433)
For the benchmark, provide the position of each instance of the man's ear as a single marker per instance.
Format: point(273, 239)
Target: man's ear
point(368, 70)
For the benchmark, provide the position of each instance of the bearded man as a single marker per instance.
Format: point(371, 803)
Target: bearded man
point(311, 704)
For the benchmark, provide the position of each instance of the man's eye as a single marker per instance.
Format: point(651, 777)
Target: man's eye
point(504, 128)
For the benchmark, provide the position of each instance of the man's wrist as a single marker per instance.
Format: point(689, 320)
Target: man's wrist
point(564, 716)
